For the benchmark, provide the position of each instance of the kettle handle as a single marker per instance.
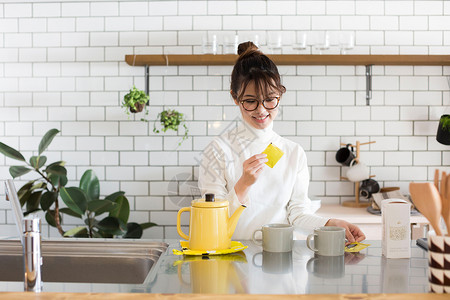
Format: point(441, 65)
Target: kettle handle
point(180, 232)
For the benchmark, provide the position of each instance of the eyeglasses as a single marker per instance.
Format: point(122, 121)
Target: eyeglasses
point(252, 104)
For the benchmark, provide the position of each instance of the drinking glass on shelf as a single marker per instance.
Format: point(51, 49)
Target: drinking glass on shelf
point(346, 41)
point(275, 41)
point(209, 44)
point(230, 44)
point(322, 42)
point(301, 42)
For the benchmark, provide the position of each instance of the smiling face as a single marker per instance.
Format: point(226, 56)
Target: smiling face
point(260, 118)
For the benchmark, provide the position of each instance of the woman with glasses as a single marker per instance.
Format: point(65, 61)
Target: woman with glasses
point(234, 168)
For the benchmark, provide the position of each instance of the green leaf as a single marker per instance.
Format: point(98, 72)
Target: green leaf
point(47, 139)
point(97, 234)
point(122, 226)
point(100, 206)
point(134, 231)
point(33, 201)
point(90, 185)
point(10, 152)
point(114, 196)
point(57, 163)
point(121, 210)
point(147, 225)
point(17, 171)
point(82, 233)
point(25, 187)
point(37, 161)
point(75, 199)
point(74, 231)
point(24, 197)
point(58, 180)
point(109, 225)
point(68, 211)
point(30, 212)
point(56, 170)
point(48, 199)
point(50, 217)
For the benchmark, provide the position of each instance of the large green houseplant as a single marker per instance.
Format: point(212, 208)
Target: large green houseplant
point(84, 202)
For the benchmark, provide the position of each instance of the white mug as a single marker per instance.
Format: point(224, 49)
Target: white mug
point(358, 171)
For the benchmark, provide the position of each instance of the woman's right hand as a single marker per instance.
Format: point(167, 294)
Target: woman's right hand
point(252, 168)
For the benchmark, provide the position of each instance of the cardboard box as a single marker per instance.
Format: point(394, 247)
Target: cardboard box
point(396, 235)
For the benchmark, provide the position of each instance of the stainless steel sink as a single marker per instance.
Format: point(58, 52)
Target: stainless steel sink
point(85, 260)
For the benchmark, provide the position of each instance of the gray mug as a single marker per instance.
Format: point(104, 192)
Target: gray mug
point(328, 241)
point(276, 237)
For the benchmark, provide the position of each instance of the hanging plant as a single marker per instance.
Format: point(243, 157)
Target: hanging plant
point(171, 119)
point(135, 101)
point(443, 132)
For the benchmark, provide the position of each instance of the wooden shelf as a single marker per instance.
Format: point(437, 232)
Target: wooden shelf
point(290, 59)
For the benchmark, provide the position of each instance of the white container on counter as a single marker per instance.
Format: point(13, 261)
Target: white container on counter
point(396, 234)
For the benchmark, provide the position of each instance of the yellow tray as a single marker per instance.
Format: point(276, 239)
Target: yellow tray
point(235, 247)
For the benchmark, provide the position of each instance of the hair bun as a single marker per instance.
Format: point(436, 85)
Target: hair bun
point(247, 48)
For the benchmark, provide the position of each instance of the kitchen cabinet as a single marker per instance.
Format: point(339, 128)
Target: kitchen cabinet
point(369, 223)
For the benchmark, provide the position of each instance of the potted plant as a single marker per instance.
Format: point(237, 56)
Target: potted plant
point(135, 101)
point(443, 132)
point(171, 119)
point(44, 193)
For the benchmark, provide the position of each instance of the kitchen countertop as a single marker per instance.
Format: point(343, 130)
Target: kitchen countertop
point(254, 272)
point(358, 215)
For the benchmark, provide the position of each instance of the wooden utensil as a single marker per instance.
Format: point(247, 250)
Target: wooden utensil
point(446, 202)
point(428, 201)
point(436, 178)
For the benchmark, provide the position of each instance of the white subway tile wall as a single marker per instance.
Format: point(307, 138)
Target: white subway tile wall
point(62, 66)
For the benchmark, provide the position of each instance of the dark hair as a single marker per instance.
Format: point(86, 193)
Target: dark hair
point(253, 65)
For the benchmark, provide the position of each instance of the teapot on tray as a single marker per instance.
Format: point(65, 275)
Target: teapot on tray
point(210, 228)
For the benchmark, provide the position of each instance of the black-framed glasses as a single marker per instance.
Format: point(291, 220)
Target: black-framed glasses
point(252, 104)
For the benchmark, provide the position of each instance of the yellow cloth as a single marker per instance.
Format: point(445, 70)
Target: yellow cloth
point(235, 247)
point(273, 154)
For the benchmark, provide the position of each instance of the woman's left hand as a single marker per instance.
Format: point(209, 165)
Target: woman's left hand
point(352, 232)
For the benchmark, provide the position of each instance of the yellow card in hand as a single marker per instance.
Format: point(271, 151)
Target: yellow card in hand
point(356, 247)
point(273, 154)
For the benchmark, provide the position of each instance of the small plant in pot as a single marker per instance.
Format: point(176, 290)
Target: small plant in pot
point(135, 101)
point(443, 132)
point(171, 119)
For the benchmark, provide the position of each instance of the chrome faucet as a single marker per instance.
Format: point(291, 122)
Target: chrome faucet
point(32, 254)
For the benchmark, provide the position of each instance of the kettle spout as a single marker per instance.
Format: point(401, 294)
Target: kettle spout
point(233, 220)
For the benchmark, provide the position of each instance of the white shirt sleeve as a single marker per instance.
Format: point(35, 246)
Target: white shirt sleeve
point(212, 178)
point(299, 213)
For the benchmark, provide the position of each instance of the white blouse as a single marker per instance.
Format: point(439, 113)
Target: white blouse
point(279, 195)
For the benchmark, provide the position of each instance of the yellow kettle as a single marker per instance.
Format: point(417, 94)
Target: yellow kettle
point(210, 228)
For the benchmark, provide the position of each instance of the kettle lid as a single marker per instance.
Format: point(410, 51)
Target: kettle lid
point(209, 201)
